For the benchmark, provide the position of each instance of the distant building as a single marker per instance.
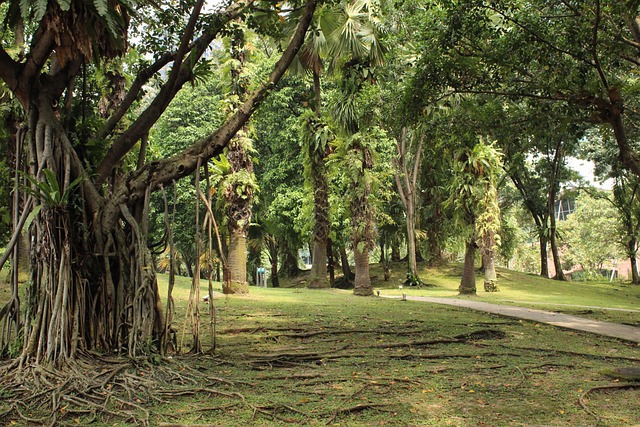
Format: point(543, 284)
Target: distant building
point(564, 207)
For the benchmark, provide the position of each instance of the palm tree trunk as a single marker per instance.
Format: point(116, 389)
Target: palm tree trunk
point(468, 281)
point(490, 277)
point(237, 261)
point(318, 275)
point(363, 280)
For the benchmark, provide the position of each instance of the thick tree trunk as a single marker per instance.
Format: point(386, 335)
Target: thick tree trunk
point(544, 257)
point(468, 281)
point(635, 277)
point(553, 240)
point(93, 285)
point(395, 253)
point(613, 112)
point(238, 196)
point(272, 247)
point(330, 264)
point(633, 258)
point(411, 241)
point(75, 301)
point(290, 263)
point(363, 280)
point(490, 277)
point(318, 275)
point(346, 268)
point(237, 264)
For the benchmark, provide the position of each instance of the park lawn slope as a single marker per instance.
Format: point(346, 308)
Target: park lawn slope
point(528, 290)
point(294, 356)
point(309, 357)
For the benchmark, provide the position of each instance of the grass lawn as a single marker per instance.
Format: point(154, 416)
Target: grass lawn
point(294, 356)
point(309, 357)
point(530, 291)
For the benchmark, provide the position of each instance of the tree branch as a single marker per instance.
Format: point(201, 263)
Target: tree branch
point(539, 37)
point(9, 70)
point(159, 173)
point(180, 74)
point(132, 94)
point(594, 48)
point(41, 49)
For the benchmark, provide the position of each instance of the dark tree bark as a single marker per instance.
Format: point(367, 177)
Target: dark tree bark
point(468, 281)
point(544, 256)
point(290, 265)
point(632, 246)
point(362, 221)
point(558, 159)
point(273, 251)
point(395, 253)
point(344, 262)
point(330, 264)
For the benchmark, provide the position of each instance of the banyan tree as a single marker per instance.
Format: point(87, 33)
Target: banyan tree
point(85, 184)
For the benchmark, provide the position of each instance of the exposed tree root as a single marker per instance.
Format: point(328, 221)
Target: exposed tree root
point(582, 399)
point(413, 356)
point(311, 334)
point(572, 353)
point(184, 425)
point(418, 343)
point(354, 409)
point(110, 388)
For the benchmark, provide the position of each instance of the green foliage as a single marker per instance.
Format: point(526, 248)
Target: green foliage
point(591, 234)
point(193, 114)
point(357, 174)
point(315, 133)
point(412, 280)
point(48, 191)
point(473, 191)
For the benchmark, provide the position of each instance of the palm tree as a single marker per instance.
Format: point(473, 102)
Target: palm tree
point(474, 198)
point(237, 184)
point(346, 30)
point(355, 155)
point(239, 192)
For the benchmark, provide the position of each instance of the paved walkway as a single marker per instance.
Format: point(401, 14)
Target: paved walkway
point(609, 329)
